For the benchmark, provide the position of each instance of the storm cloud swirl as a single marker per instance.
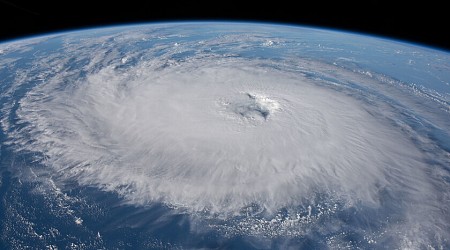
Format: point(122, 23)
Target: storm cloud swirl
point(220, 136)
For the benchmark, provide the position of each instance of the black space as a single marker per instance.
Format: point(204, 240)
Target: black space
point(415, 21)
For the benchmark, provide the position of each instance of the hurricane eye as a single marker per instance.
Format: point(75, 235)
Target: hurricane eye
point(253, 106)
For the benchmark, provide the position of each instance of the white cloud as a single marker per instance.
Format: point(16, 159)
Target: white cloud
point(166, 136)
point(219, 132)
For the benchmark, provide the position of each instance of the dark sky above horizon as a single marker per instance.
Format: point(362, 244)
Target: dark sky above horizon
point(424, 23)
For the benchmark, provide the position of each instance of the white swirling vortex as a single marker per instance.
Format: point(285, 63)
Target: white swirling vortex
point(216, 135)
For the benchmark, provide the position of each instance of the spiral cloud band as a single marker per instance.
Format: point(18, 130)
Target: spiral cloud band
point(214, 134)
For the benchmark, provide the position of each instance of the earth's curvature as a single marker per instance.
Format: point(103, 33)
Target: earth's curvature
point(223, 135)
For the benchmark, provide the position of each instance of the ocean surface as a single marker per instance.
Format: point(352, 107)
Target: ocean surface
point(223, 135)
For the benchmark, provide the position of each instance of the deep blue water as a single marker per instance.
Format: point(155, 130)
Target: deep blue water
point(40, 209)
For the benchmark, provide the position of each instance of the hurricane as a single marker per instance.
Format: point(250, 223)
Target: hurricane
point(243, 134)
